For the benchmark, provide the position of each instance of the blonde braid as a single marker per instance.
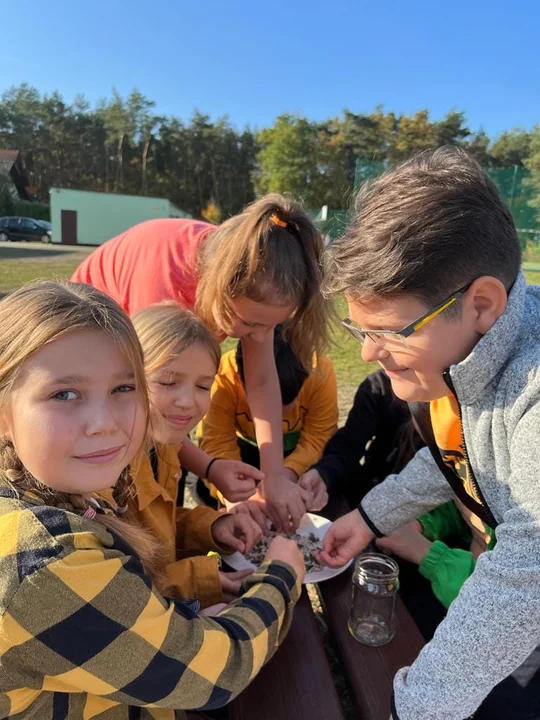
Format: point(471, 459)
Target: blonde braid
point(16, 475)
point(10, 465)
point(123, 491)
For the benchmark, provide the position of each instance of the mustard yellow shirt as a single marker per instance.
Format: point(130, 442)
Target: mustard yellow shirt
point(313, 417)
point(186, 534)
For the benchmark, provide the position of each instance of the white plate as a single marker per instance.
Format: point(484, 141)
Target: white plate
point(310, 524)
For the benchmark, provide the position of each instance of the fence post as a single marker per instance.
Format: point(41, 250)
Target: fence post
point(512, 192)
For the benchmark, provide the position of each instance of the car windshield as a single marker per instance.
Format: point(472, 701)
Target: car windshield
point(44, 224)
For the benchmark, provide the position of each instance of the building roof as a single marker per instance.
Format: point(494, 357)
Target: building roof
point(12, 168)
point(7, 156)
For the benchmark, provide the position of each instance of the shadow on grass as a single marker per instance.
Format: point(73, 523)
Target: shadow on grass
point(22, 253)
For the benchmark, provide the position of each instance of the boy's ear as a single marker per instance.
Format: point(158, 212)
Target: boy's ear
point(487, 297)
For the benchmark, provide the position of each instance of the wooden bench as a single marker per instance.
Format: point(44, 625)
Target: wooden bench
point(370, 671)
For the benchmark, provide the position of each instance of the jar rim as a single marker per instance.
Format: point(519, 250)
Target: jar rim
point(376, 567)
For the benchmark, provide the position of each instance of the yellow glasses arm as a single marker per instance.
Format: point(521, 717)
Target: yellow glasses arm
point(436, 312)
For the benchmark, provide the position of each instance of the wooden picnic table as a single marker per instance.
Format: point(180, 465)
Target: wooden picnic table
point(297, 683)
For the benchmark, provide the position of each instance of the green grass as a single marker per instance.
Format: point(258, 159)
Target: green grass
point(345, 353)
point(12, 278)
point(533, 277)
point(19, 264)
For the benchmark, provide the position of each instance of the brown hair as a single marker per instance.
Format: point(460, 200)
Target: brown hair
point(167, 329)
point(271, 249)
point(40, 313)
point(427, 228)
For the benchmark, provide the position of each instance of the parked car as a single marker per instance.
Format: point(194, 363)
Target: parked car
point(22, 228)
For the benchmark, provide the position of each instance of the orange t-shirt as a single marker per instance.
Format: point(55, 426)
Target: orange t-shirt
point(446, 425)
point(447, 430)
point(153, 261)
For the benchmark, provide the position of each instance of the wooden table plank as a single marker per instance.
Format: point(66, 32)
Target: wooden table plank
point(297, 682)
point(370, 670)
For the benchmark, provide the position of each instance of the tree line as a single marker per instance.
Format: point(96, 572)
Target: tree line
point(211, 169)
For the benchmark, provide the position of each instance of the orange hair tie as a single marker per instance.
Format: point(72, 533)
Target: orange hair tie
point(277, 220)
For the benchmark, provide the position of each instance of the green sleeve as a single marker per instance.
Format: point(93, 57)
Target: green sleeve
point(446, 569)
point(445, 522)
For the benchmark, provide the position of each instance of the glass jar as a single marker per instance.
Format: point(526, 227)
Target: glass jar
point(375, 585)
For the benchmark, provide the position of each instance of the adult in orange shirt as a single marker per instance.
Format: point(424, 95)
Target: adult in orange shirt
point(258, 269)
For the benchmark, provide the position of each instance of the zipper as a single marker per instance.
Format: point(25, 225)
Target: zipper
point(490, 519)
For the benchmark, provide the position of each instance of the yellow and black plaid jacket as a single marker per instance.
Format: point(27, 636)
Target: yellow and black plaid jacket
point(83, 633)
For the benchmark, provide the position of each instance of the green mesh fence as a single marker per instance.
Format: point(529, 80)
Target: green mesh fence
point(515, 185)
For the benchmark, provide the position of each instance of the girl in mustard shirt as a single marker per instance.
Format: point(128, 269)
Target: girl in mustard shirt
point(181, 358)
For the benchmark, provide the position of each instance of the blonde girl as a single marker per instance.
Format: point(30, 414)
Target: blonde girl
point(258, 269)
point(85, 627)
point(181, 358)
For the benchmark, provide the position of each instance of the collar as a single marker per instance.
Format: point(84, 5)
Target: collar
point(148, 487)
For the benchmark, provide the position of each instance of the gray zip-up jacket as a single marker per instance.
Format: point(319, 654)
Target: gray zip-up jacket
point(494, 624)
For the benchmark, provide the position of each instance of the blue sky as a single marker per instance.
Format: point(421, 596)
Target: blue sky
point(254, 60)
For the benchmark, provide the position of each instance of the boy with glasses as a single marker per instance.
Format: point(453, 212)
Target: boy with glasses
point(431, 271)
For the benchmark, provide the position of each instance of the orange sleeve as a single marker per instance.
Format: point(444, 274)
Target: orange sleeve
point(217, 430)
point(194, 529)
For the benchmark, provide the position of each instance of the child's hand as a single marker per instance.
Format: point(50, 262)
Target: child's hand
point(286, 502)
point(313, 482)
point(406, 542)
point(231, 583)
point(237, 531)
point(287, 551)
point(213, 610)
point(236, 480)
point(345, 538)
point(256, 508)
